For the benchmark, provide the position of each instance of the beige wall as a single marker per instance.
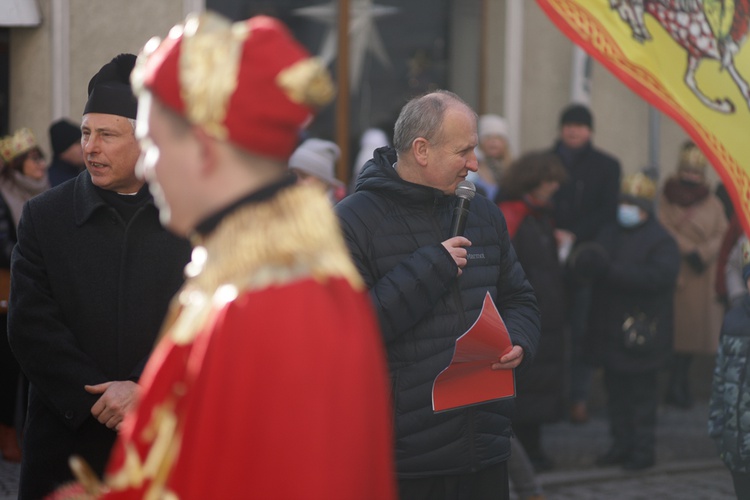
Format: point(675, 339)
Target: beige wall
point(30, 75)
point(98, 31)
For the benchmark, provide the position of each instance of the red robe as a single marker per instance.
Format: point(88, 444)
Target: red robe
point(280, 392)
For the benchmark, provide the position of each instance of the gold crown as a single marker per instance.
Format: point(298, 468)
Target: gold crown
point(691, 158)
point(639, 186)
point(16, 144)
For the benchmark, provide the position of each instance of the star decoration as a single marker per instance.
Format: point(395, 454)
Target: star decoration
point(363, 34)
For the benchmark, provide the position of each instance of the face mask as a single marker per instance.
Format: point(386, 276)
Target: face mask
point(628, 215)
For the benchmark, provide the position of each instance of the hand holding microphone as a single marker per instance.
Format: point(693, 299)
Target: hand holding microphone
point(456, 244)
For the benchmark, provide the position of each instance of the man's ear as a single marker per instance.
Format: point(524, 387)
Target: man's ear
point(421, 150)
point(207, 148)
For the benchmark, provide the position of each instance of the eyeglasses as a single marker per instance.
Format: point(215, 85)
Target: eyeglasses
point(35, 157)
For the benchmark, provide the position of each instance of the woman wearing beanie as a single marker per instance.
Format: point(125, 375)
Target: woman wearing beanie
point(695, 218)
point(314, 163)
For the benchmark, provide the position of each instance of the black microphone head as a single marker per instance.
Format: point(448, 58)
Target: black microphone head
point(466, 190)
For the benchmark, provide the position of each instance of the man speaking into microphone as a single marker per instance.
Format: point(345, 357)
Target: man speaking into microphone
point(428, 286)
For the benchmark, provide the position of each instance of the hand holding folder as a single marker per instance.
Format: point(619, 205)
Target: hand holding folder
point(469, 378)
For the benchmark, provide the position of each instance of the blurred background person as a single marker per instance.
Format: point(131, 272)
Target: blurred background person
point(23, 176)
point(734, 281)
point(584, 204)
point(725, 269)
point(633, 265)
point(67, 152)
point(696, 220)
point(527, 189)
point(493, 155)
point(371, 139)
point(314, 163)
point(728, 405)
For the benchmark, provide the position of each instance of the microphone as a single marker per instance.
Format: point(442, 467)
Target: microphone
point(465, 192)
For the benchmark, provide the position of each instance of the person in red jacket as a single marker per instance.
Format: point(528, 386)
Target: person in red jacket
point(269, 380)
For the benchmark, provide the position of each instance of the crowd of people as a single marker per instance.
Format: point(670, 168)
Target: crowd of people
point(225, 316)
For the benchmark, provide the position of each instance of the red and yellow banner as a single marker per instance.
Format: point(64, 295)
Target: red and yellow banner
point(686, 58)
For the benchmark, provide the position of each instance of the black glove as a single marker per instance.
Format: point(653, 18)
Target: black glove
point(695, 262)
point(590, 262)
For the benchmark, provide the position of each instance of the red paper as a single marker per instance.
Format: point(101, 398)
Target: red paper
point(469, 378)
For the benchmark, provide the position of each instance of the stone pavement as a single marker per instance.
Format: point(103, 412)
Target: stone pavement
point(687, 466)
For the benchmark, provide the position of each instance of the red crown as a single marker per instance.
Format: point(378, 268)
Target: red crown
point(249, 82)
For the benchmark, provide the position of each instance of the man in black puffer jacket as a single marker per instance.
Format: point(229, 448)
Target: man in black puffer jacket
point(428, 289)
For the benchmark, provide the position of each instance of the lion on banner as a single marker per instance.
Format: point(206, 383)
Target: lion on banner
point(712, 29)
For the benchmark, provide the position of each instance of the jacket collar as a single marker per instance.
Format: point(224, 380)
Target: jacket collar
point(86, 201)
point(572, 156)
point(379, 175)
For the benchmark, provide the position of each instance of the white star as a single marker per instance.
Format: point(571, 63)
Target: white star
point(363, 34)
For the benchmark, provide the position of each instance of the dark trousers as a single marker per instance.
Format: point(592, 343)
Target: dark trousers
point(9, 373)
point(487, 484)
point(580, 371)
point(631, 407)
point(741, 485)
point(530, 436)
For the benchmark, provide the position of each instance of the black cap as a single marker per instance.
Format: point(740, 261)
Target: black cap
point(577, 114)
point(110, 91)
point(62, 134)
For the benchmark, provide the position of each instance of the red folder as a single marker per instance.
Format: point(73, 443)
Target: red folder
point(469, 378)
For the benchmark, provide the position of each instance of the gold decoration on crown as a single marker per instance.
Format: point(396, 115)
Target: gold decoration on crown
point(17, 144)
point(209, 67)
point(307, 82)
point(638, 185)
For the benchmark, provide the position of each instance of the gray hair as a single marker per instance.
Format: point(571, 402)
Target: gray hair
point(423, 117)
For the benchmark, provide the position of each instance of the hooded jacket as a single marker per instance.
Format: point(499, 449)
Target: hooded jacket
point(394, 230)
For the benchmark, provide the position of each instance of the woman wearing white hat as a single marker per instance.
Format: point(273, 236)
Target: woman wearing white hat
point(493, 155)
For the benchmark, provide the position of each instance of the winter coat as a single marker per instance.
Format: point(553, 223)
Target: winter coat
point(60, 171)
point(729, 404)
point(588, 199)
point(696, 228)
point(540, 390)
point(394, 231)
point(638, 277)
point(88, 295)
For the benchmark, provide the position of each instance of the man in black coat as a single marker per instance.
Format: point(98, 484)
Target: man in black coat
point(583, 205)
point(67, 154)
point(92, 274)
point(428, 289)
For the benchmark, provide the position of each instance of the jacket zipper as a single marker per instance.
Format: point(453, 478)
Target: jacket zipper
point(456, 291)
